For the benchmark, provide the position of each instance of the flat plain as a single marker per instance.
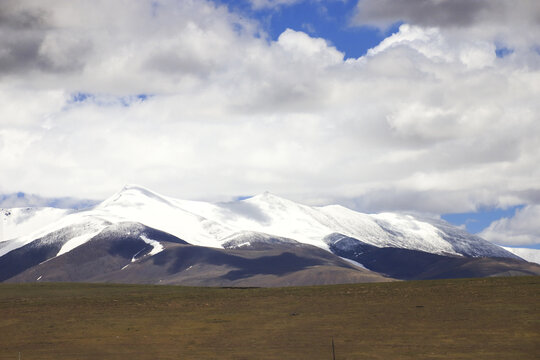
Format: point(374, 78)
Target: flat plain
point(489, 318)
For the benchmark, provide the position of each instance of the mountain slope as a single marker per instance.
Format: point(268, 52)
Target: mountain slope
point(134, 253)
point(407, 264)
point(263, 223)
point(531, 255)
point(21, 221)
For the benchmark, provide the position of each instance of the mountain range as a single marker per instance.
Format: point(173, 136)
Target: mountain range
point(139, 236)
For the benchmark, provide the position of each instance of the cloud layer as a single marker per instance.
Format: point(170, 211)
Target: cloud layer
point(21, 200)
point(450, 13)
point(521, 229)
point(194, 101)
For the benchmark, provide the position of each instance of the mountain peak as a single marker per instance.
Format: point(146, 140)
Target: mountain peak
point(270, 199)
point(205, 223)
point(385, 242)
point(267, 195)
point(131, 193)
point(134, 187)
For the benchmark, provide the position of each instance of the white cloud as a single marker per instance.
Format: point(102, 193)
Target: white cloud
point(435, 45)
point(449, 14)
point(508, 23)
point(426, 121)
point(520, 230)
point(276, 4)
point(261, 4)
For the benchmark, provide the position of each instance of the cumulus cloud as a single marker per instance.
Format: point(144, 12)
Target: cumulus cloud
point(261, 4)
point(275, 4)
point(194, 101)
point(424, 12)
point(520, 230)
point(511, 23)
point(448, 13)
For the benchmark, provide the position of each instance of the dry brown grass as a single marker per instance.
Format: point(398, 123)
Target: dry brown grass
point(496, 318)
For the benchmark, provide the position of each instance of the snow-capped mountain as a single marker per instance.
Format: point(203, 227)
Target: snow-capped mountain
point(137, 226)
point(531, 255)
point(212, 225)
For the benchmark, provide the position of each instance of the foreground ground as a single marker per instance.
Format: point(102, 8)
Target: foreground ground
point(495, 318)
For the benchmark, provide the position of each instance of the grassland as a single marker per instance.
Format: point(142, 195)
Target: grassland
point(496, 318)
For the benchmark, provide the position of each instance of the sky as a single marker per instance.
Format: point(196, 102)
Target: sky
point(427, 106)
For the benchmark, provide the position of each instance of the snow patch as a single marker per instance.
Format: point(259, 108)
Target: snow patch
point(77, 241)
point(134, 258)
point(157, 247)
point(356, 263)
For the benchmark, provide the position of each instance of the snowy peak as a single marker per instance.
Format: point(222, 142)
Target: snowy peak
point(267, 200)
point(212, 225)
point(267, 196)
point(140, 235)
point(133, 195)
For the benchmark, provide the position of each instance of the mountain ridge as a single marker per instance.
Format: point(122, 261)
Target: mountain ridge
point(208, 224)
point(260, 227)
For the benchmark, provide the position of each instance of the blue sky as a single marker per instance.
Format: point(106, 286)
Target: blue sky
point(330, 20)
point(477, 221)
point(411, 106)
